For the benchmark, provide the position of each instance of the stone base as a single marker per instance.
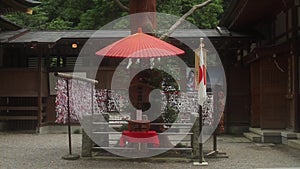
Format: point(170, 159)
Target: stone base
point(204, 163)
point(71, 157)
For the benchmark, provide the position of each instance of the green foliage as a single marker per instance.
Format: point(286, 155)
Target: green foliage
point(37, 21)
point(206, 17)
point(59, 24)
point(102, 13)
point(69, 14)
point(93, 14)
point(170, 114)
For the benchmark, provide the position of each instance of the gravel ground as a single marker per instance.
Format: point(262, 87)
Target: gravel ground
point(45, 151)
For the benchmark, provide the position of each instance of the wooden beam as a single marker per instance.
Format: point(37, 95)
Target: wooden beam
point(69, 76)
point(19, 108)
point(18, 117)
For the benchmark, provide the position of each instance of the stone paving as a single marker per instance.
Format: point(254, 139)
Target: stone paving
point(45, 151)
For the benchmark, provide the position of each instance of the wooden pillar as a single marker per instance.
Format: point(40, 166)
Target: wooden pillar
point(296, 74)
point(40, 85)
point(295, 51)
point(297, 84)
point(1, 55)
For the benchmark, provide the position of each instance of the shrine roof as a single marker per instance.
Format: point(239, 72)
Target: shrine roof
point(54, 36)
point(6, 36)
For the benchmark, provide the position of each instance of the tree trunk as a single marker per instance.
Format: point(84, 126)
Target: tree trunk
point(147, 21)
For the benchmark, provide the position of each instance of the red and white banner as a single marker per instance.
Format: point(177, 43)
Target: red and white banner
point(200, 66)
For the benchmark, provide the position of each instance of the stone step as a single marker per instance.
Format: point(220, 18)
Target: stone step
point(287, 135)
point(294, 143)
point(255, 130)
point(268, 136)
point(266, 132)
point(253, 137)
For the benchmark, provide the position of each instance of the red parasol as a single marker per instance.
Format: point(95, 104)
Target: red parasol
point(139, 45)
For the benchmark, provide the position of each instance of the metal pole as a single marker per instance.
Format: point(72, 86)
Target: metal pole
point(215, 142)
point(201, 162)
point(200, 135)
point(92, 95)
point(69, 119)
point(70, 156)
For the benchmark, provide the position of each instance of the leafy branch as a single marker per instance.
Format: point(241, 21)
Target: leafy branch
point(183, 18)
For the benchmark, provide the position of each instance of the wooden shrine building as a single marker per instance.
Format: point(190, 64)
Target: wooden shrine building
point(262, 68)
point(264, 80)
point(30, 58)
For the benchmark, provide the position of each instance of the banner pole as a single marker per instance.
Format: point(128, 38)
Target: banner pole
point(202, 160)
point(201, 98)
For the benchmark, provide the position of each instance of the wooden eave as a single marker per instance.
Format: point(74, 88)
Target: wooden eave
point(5, 24)
point(245, 14)
point(272, 50)
point(17, 5)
